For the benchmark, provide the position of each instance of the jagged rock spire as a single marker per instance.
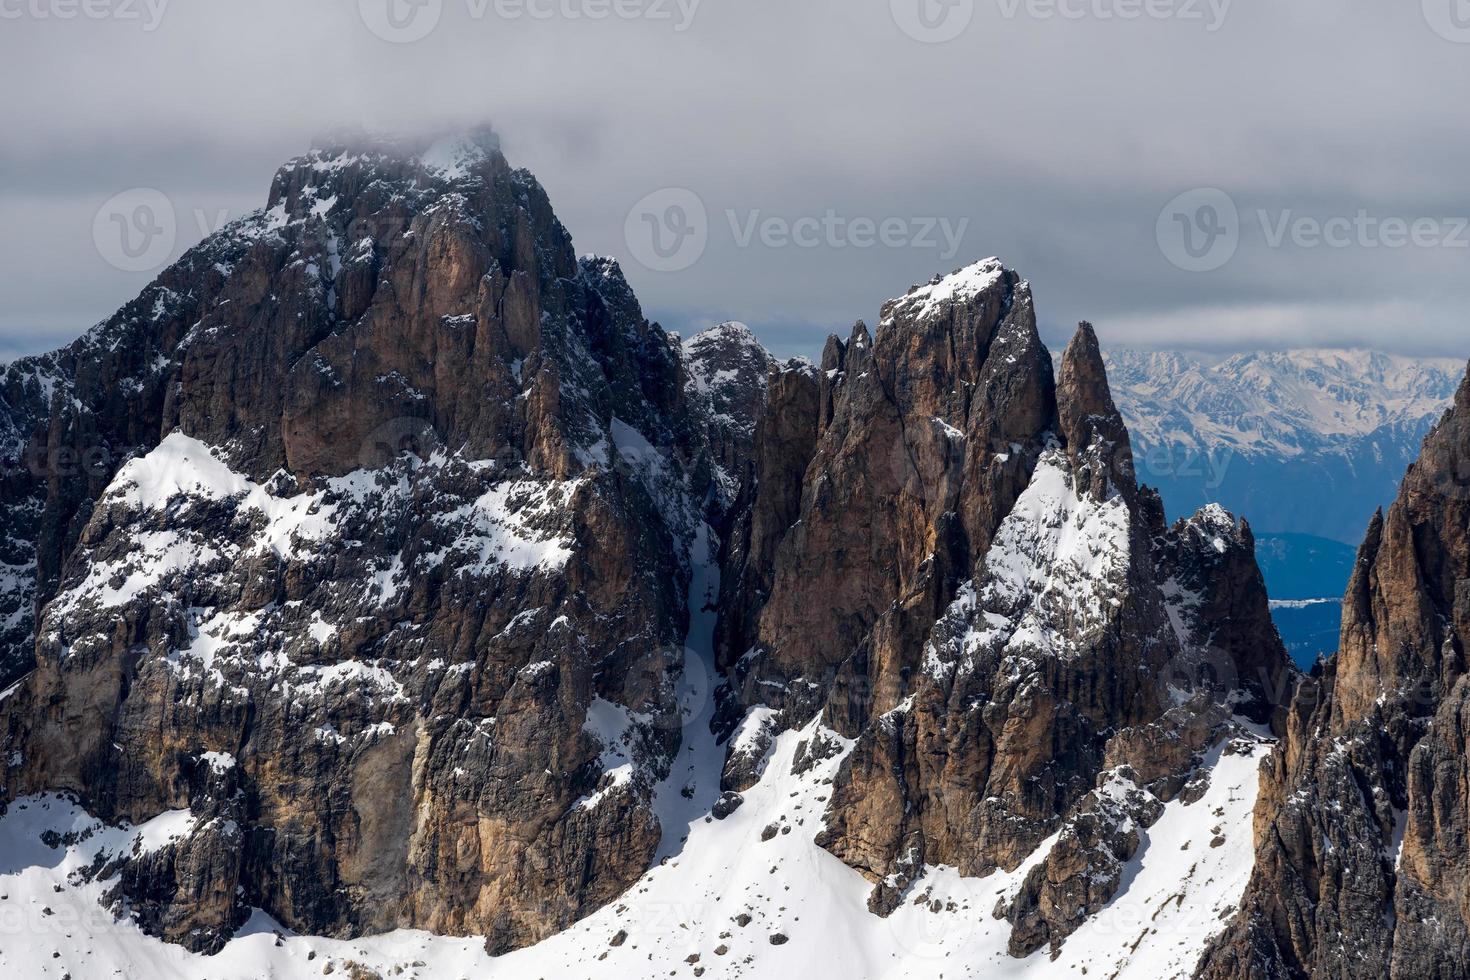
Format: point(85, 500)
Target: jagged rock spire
point(1362, 851)
point(1090, 423)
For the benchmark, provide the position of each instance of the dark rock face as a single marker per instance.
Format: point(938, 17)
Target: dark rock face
point(768, 504)
point(1361, 856)
point(1223, 614)
point(384, 577)
point(404, 534)
point(68, 419)
point(932, 436)
point(1083, 871)
point(976, 591)
point(727, 370)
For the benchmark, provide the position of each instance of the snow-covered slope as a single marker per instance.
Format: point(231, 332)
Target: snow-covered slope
point(747, 896)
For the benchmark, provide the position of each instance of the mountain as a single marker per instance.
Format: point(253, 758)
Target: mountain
point(1361, 847)
point(1299, 442)
point(424, 610)
point(1304, 443)
point(394, 548)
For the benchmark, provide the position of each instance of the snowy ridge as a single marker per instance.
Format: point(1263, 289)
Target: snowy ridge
point(945, 292)
point(498, 528)
point(748, 896)
point(1276, 403)
point(728, 366)
point(198, 526)
point(1056, 569)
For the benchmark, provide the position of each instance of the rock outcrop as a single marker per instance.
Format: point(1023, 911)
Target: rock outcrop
point(768, 504)
point(404, 533)
point(1219, 607)
point(977, 592)
point(727, 372)
point(1361, 857)
point(379, 592)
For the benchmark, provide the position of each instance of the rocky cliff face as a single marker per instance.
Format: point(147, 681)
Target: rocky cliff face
point(381, 588)
point(728, 371)
point(390, 596)
point(975, 591)
point(1361, 856)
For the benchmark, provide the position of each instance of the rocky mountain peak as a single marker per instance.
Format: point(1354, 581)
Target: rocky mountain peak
point(392, 456)
point(966, 551)
point(945, 293)
point(728, 368)
point(420, 520)
point(1362, 852)
point(1089, 421)
point(729, 365)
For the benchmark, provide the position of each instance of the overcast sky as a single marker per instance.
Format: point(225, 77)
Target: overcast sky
point(836, 150)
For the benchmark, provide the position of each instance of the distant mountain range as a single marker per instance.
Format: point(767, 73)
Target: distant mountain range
point(1298, 442)
point(1305, 444)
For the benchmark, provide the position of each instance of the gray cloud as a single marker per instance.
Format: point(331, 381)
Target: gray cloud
point(1056, 140)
